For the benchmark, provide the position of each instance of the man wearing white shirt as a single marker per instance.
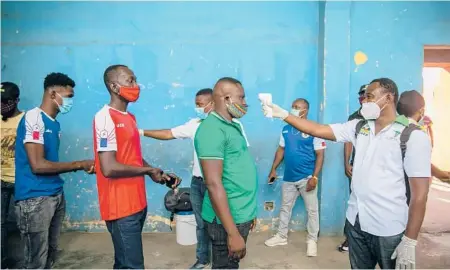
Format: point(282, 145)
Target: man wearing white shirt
point(204, 105)
point(380, 227)
point(303, 159)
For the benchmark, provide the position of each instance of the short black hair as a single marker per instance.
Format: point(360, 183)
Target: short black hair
point(304, 101)
point(204, 92)
point(111, 72)
point(58, 79)
point(362, 89)
point(389, 86)
point(409, 103)
point(10, 91)
point(229, 79)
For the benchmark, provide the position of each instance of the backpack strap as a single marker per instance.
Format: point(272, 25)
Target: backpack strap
point(359, 126)
point(404, 137)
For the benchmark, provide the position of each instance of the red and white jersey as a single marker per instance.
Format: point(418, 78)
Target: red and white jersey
point(117, 131)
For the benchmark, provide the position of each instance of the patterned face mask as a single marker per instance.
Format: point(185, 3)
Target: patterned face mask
point(236, 110)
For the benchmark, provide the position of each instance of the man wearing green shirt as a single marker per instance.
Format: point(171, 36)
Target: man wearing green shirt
point(229, 207)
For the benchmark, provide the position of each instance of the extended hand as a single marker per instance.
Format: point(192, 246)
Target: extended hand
point(87, 166)
point(157, 175)
point(405, 254)
point(277, 111)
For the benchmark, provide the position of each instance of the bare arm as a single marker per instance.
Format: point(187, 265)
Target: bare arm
point(348, 148)
point(212, 172)
point(417, 205)
point(162, 134)
point(439, 174)
point(320, 155)
point(312, 128)
point(279, 155)
point(39, 165)
point(111, 168)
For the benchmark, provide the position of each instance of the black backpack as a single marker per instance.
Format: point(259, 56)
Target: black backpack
point(177, 200)
point(404, 137)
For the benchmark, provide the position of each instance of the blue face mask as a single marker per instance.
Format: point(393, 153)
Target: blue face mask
point(200, 111)
point(66, 105)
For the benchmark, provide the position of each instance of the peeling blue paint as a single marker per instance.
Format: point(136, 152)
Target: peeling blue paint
point(291, 49)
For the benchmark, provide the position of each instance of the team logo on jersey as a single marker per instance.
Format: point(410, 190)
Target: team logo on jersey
point(36, 134)
point(103, 138)
point(304, 135)
point(364, 131)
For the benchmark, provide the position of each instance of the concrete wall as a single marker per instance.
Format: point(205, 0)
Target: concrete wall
point(291, 49)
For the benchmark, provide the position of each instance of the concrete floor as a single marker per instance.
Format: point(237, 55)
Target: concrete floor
point(94, 250)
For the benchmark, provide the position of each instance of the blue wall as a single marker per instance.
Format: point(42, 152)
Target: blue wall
point(176, 48)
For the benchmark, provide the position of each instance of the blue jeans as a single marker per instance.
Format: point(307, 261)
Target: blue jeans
point(7, 193)
point(39, 220)
point(198, 190)
point(366, 250)
point(126, 235)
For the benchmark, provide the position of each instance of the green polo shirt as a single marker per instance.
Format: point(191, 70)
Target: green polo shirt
point(218, 138)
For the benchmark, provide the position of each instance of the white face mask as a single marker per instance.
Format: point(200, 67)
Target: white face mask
point(296, 112)
point(371, 110)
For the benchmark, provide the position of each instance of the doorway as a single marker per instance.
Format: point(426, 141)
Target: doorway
point(436, 91)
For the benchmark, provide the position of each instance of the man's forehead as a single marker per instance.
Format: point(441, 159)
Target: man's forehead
point(124, 72)
point(372, 87)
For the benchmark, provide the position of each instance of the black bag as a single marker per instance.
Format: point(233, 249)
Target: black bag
point(404, 137)
point(177, 201)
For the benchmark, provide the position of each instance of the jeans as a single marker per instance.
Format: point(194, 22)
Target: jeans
point(198, 190)
point(290, 193)
point(366, 250)
point(7, 193)
point(219, 239)
point(39, 220)
point(126, 235)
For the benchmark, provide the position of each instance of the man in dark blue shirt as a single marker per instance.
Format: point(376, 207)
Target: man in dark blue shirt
point(40, 203)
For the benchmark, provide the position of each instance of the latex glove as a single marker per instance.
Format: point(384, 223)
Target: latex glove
point(405, 253)
point(277, 111)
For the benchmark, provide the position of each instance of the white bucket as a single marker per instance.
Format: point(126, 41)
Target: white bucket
point(186, 229)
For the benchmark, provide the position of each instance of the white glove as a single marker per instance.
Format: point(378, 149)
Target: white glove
point(405, 254)
point(277, 112)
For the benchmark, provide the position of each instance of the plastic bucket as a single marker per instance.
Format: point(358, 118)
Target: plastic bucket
point(186, 228)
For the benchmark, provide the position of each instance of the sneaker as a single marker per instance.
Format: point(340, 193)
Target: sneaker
point(276, 240)
point(343, 247)
point(311, 250)
point(199, 265)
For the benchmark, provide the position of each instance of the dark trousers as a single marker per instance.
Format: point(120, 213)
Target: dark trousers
point(366, 250)
point(219, 239)
point(198, 190)
point(7, 193)
point(39, 220)
point(126, 235)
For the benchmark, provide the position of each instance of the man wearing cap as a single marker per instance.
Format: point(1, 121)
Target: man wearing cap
point(11, 116)
point(349, 150)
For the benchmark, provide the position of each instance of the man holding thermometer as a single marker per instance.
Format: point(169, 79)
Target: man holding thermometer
point(303, 157)
point(381, 227)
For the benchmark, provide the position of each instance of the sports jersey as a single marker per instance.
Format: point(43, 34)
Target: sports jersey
point(117, 131)
point(36, 127)
point(299, 153)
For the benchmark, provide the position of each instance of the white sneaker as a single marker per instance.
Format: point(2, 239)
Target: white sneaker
point(311, 250)
point(276, 240)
